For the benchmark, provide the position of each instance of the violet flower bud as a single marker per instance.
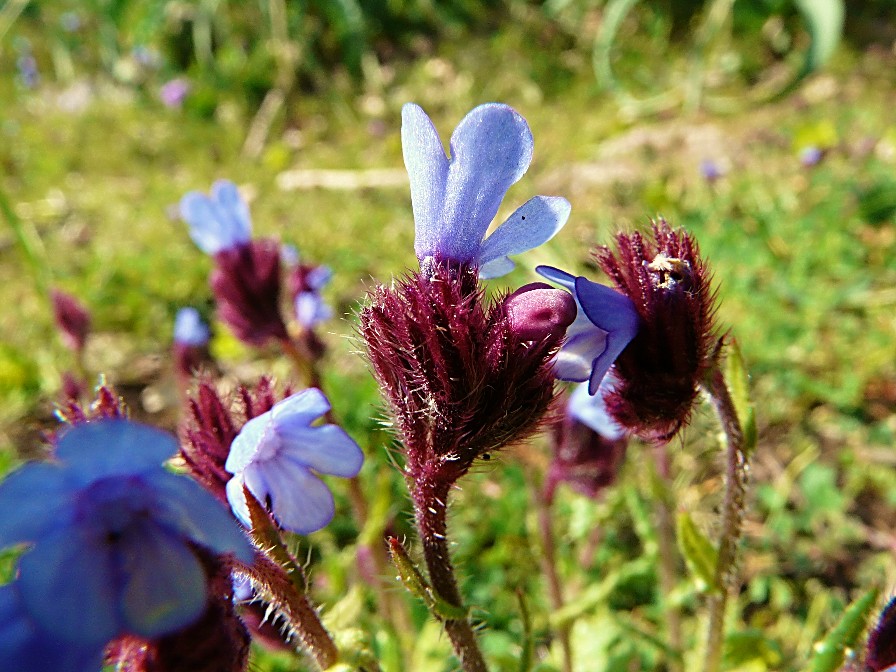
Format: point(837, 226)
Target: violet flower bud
point(72, 319)
point(538, 311)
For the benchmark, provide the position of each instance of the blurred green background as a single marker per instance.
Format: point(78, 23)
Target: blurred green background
point(764, 127)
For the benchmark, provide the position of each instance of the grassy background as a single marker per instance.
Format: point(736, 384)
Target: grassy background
point(804, 257)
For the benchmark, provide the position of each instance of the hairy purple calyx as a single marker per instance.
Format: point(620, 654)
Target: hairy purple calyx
point(881, 651)
point(538, 311)
point(463, 376)
point(660, 371)
point(246, 284)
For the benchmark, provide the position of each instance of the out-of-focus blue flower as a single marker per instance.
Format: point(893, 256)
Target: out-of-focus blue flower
point(218, 222)
point(455, 199)
point(28, 73)
point(174, 92)
point(710, 170)
point(591, 411)
point(146, 57)
point(70, 21)
point(311, 309)
point(811, 155)
point(24, 647)
point(276, 456)
point(606, 321)
point(189, 329)
point(112, 531)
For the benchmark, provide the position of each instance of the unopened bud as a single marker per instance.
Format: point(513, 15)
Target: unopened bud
point(537, 311)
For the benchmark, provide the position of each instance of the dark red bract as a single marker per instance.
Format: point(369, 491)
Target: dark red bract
point(660, 370)
point(246, 284)
point(460, 376)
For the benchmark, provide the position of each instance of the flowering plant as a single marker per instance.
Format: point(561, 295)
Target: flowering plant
point(181, 551)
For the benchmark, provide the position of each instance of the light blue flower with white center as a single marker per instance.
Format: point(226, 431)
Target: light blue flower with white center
point(190, 329)
point(217, 222)
point(591, 411)
point(606, 321)
point(112, 533)
point(455, 199)
point(277, 455)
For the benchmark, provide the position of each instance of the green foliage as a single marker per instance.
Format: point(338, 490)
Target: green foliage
point(830, 653)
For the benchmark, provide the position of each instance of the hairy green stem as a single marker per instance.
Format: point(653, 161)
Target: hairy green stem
point(430, 510)
point(736, 464)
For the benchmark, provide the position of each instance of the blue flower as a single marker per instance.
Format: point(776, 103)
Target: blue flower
point(276, 456)
point(591, 411)
point(455, 200)
point(311, 309)
point(24, 647)
point(606, 321)
point(112, 532)
point(219, 222)
point(189, 329)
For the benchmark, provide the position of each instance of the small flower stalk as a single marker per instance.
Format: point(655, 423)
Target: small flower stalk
point(464, 376)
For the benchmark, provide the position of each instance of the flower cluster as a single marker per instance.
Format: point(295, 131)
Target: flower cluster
point(465, 376)
point(246, 278)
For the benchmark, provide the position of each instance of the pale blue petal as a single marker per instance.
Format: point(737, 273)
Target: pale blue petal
point(326, 449)
point(300, 409)
point(496, 268)
point(201, 215)
point(591, 410)
point(164, 583)
point(311, 309)
point(233, 211)
point(237, 499)
point(300, 501)
point(615, 314)
point(189, 329)
point(256, 437)
point(535, 222)
point(183, 506)
point(114, 447)
point(575, 361)
point(491, 149)
point(35, 499)
point(66, 576)
point(217, 223)
point(318, 277)
point(427, 166)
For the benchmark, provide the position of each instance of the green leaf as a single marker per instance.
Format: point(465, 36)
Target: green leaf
point(824, 19)
point(414, 581)
point(699, 552)
point(831, 651)
point(738, 382)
